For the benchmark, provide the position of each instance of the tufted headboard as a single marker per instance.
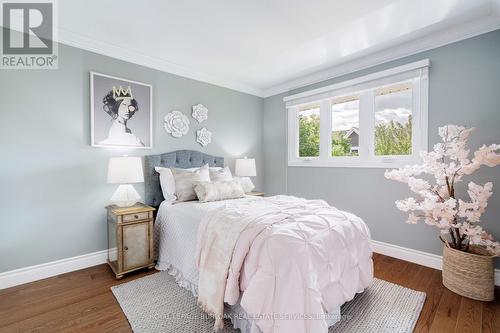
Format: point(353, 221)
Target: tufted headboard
point(182, 159)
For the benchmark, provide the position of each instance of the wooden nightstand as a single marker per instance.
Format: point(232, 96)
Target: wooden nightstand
point(257, 194)
point(130, 238)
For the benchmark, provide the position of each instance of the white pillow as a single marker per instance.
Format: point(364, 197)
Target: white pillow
point(218, 190)
point(220, 174)
point(185, 180)
point(246, 183)
point(167, 183)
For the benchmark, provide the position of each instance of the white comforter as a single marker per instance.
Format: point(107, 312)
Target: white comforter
point(175, 236)
point(295, 260)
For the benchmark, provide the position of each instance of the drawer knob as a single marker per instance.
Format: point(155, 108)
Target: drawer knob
point(136, 216)
point(125, 248)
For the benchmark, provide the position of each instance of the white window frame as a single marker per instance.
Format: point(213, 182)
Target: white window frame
point(417, 73)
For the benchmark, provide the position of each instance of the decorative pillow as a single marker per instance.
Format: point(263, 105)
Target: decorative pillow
point(220, 190)
point(185, 180)
point(220, 174)
point(167, 183)
point(246, 183)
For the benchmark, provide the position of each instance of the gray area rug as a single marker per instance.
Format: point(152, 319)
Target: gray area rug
point(156, 303)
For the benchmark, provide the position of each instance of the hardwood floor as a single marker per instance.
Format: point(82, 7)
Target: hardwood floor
point(81, 301)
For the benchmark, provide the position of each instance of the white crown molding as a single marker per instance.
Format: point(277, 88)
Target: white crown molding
point(361, 79)
point(418, 257)
point(441, 38)
point(108, 49)
point(437, 39)
point(46, 270)
point(445, 37)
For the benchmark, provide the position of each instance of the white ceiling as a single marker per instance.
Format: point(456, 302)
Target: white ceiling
point(265, 47)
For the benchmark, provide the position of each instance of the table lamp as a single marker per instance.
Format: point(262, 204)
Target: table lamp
point(245, 167)
point(125, 171)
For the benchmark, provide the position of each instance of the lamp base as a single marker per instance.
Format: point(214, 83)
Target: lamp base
point(125, 196)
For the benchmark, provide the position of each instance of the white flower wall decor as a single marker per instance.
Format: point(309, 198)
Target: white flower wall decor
point(203, 136)
point(437, 203)
point(200, 112)
point(176, 123)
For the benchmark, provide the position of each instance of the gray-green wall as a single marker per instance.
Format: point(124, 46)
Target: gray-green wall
point(464, 89)
point(53, 183)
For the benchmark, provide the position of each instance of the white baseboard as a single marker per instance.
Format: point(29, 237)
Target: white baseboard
point(415, 256)
point(43, 271)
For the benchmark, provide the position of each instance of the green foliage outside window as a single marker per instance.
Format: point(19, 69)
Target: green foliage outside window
point(309, 136)
point(341, 146)
point(309, 139)
point(393, 138)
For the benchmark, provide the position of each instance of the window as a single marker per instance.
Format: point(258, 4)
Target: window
point(393, 120)
point(379, 120)
point(309, 131)
point(345, 126)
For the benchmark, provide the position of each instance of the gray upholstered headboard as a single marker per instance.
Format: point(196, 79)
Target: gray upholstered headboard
point(183, 159)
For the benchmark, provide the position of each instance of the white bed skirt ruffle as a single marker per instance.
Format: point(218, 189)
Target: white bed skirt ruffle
point(236, 313)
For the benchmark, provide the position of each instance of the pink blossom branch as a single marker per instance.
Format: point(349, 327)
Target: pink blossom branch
point(448, 163)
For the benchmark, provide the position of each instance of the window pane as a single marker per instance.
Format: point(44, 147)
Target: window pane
point(309, 132)
point(345, 127)
point(393, 120)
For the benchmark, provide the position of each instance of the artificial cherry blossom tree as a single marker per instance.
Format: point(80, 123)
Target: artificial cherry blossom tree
point(436, 203)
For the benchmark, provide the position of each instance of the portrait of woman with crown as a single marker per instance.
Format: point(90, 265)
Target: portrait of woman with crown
point(120, 107)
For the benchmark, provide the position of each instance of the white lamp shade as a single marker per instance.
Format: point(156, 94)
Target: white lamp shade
point(125, 170)
point(245, 167)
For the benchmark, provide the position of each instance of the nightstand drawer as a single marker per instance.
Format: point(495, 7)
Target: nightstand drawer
point(135, 217)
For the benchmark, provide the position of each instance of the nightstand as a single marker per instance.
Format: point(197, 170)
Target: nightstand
point(256, 194)
point(130, 238)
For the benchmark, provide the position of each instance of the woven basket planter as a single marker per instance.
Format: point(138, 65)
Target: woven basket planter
point(468, 274)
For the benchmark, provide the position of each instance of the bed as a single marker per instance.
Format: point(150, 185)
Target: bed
point(177, 245)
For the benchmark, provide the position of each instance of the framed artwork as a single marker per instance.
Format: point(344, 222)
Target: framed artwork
point(121, 112)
